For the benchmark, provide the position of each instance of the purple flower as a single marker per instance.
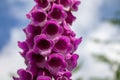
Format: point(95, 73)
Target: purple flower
point(42, 3)
point(42, 45)
point(53, 29)
point(24, 75)
point(36, 59)
point(33, 69)
point(24, 47)
point(67, 30)
point(30, 41)
point(64, 75)
point(56, 63)
point(75, 42)
point(31, 32)
point(38, 16)
point(44, 75)
point(63, 45)
point(70, 18)
point(75, 5)
point(65, 3)
point(44, 78)
point(44, 72)
point(49, 47)
point(71, 61)
point(57, 13)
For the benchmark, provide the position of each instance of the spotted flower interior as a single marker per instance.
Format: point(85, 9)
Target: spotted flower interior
point(49, 47)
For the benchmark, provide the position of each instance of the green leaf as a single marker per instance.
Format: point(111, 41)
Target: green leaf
point(97, 40)
point(79, 78)
point(102, 58)
point(117, 73)
point(115, 21)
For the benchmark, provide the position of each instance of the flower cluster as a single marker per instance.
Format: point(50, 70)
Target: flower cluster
point(50, 43)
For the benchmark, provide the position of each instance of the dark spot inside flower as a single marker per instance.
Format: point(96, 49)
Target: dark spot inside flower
point(43, 44)
point(37, 57)
point(24, 75)
point(34, 30)
point(61, 44)
point(39, 16)
point(37, 30)
point(42, 3)
point(52, 29)
point(27, 76)
point(56, 14)
point(55, 62)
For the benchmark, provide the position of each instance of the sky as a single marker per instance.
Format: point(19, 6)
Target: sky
point(91, 23)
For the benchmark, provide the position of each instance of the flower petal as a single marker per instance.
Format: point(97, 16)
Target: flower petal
point(42, 3)
point(24, 74)
point(56, 63)
point(63, 45)
point(65, 3)
point(53, 29)
point(57, 13)
point(42, 45)
point(33, 30)
point(70, 18)
point(36, 59)
point(71, 61)
point(44, 78)
point(75, 5)
point(38, 17)
point(33, 69)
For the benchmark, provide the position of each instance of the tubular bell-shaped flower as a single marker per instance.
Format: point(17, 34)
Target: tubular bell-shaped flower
point(53, 29)
point(38, 17)
point(24, 75)
point(33, 30)
point(65, 3)
point(42, 3)
point(57, 13)
point(70, 18)
point(63, 45)
point(71, 61)
point(24, 46)
point(42, 45)
point(65, 75)
point(35, 58)
point(56, 63)
point(33, 69)
point(49, 47)
point(75, 5)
